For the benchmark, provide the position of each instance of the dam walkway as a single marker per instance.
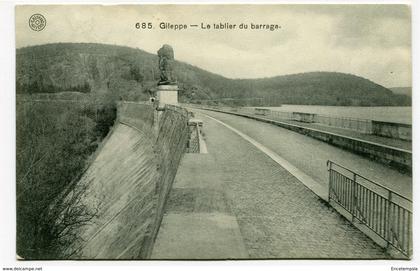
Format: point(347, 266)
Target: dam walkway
point(237, 201)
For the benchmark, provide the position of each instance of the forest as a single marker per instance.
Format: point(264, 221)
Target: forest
point(132, 74)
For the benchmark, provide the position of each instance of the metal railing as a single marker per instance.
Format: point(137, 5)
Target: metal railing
point(360, 125)
point(385, 212)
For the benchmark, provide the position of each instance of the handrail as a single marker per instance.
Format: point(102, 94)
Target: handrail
point(389, 219)
point(366, 179)
point(346, 118)
point(313, 129)
point(317, 114)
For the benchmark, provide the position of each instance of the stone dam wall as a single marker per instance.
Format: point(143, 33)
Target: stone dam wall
point(129, 181)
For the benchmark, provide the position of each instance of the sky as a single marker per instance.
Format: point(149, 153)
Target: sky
point(372, 41)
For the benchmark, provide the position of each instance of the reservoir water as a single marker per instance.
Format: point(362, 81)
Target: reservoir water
point(400, 114)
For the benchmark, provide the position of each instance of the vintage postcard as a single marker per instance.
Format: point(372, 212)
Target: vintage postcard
point(213, 132)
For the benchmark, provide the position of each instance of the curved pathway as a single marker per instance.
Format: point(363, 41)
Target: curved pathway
point(237, 202)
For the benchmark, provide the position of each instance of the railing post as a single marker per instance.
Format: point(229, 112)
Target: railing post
point(198, 135)
point(389, 221)
point(329, 179)
point(354, 199)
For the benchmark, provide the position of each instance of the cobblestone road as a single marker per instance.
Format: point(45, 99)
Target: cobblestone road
point(310, 155)
point(277, 216)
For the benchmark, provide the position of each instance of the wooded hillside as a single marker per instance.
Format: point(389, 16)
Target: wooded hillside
point(132, 73)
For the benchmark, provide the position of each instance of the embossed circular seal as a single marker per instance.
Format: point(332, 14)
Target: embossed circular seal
point(37, 22)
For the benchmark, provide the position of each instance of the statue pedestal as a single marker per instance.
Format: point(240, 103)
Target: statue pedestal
point(167, 94)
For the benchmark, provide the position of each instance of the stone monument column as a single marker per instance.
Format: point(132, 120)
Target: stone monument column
point(167, 91)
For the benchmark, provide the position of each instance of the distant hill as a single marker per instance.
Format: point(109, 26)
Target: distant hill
point(132, 73)
point(402, 90)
